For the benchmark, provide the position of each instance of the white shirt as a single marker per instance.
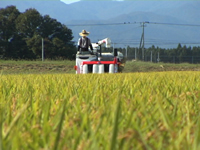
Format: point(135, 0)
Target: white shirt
point(84, 43)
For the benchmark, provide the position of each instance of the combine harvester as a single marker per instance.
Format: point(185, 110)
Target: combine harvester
point(98, 62)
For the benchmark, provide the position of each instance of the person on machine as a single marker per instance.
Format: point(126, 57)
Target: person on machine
point(84, 42)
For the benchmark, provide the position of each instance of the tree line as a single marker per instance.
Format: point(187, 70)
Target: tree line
point(21, 35)
point(179, 54)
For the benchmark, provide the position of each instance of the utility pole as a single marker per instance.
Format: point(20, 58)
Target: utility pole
point(135, 54)
point(126, 50)
point(113, 47)
point(42, 49)
point(158, 59)
point(142, 39)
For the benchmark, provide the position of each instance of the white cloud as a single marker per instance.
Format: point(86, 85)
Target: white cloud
point(72, 1)
point(69, 1)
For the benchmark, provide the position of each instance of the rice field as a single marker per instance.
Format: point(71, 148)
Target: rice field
point(141, 111)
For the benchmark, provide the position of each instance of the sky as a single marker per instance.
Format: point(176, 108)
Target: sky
point(72, 1)
point(69, 1)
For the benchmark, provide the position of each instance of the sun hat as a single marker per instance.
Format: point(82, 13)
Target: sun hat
point(84, 33)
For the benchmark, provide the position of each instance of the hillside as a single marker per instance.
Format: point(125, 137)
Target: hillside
point(104, 10)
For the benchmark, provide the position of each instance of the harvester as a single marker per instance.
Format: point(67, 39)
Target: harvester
point(98, 62)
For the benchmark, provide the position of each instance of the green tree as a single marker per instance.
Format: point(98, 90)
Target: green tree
point(34, 45)
point(26, 25)
point(28, 22)
point(57, 39)
point(196, 51)
point(8, 32)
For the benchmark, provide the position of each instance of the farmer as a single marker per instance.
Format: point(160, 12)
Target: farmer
point(84, 42)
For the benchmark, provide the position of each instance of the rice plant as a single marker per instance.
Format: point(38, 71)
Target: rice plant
point(158, 110)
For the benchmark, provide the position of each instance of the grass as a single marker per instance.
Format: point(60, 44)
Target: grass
point(29, 67)
point(139, 66)
point(152, 110)
point(48, 66)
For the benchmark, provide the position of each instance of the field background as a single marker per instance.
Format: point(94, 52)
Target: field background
point(48, 66)
point(47, 109)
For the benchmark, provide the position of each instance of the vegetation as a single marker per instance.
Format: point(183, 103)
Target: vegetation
point(36, 67)
point(139, 66)
point(109, 111)
point(43, 107)
point(181, 54)
point(21, 35)
point(66, 66)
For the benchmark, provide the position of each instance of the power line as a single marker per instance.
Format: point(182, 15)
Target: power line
point(101, 24)
point(175, 24)
point(128, 23)
point(156, 42)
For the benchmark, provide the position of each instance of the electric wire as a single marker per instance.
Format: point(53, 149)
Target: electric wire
point(129, 23)
point(100, 24)
point(147, 41)
point(175, 24)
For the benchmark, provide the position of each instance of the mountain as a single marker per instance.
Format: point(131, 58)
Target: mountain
point(170, 22)
point(56, 9)
point(104, 10)
point(130, 33)
point(162, 35)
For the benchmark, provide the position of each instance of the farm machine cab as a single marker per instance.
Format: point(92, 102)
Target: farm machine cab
point(99, 62)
